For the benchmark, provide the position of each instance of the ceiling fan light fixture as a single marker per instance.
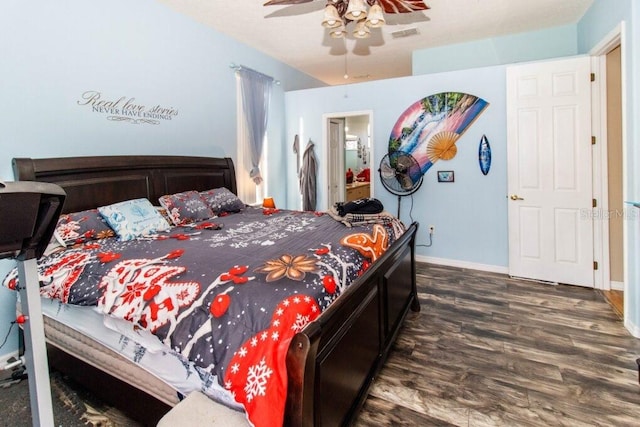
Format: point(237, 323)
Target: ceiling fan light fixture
point(361, 31)
point(331, 17)
point(356, 10)
point(375, 17)
point(338, 32)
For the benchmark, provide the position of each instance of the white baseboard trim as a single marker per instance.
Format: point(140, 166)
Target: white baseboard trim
point(617, 286)
point(633, 329)
point(463, 264)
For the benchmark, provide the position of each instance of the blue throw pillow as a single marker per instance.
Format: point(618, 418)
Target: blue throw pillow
point(134, 218)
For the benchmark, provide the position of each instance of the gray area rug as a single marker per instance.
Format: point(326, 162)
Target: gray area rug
point(72, 405)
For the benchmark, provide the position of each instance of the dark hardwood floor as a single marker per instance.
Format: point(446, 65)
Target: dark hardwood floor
point(488, 350)
point(485, 350)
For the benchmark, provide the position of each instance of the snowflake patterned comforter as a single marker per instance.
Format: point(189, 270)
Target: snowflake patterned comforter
point(230, 299)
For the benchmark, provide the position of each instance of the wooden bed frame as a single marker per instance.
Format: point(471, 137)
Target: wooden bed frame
point(333, 361)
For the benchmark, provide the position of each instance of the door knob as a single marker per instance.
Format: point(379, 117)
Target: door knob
point(516, 197)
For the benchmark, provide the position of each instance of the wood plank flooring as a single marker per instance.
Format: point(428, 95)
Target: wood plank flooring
point(488, 350)
point(615, 300)
point(485, 350)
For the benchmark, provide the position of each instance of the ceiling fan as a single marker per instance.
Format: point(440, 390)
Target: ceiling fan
point(339, 13)
point(389, 6)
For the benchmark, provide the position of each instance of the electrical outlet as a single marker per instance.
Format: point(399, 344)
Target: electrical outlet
point(432, 229)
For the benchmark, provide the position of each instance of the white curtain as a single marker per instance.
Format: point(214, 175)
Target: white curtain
point(255, 90)
point(247, 189)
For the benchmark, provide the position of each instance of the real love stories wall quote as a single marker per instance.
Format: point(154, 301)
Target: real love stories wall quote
point(126, 109)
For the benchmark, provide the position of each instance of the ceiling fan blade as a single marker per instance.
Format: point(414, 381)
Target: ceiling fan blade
point(283, 2)
point(389, 6)
point(402, 6)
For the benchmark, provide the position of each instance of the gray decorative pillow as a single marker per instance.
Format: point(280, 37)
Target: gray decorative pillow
point(186, 207)
point(221, 200)
point(81, 227)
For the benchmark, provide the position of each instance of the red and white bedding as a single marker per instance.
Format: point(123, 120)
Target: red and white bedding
point(228, 299)
point(72, 325)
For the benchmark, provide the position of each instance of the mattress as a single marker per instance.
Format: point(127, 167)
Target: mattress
point(129, 355)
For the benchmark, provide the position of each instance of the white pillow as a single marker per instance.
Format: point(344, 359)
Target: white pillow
point(134, 218)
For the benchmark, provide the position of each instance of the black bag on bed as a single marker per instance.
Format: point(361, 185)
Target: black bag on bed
point(360, 206)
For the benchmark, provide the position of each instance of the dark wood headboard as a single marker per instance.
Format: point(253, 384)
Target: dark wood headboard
point(102, 180)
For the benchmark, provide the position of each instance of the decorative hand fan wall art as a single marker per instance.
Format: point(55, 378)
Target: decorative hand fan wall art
point(429, 128)
point(339, 13)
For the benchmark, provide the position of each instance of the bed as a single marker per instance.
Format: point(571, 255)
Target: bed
point(329, 362)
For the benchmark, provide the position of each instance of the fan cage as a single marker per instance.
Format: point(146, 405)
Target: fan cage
point(400, 173)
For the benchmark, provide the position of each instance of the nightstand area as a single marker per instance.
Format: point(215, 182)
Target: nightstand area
point(357, 190)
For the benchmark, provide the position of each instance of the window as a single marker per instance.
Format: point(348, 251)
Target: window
point(248, 191)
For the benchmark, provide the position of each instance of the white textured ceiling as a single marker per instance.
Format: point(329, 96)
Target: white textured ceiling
point(293, 34)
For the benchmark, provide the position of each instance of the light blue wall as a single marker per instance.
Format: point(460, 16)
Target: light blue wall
point(52, 52)
point(535, 45)
point(470, 215)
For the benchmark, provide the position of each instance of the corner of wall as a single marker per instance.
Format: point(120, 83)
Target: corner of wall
point(632, 328)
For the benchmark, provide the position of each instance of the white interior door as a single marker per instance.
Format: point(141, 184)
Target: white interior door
point(549, 171)
point(336, 161)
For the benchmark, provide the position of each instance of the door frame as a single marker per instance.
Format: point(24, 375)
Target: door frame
point(337, 158)
point(602, 279)
point(325, 146)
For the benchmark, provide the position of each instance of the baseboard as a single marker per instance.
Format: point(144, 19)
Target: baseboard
point(633, 329)
point(617, 286)
point(463, 264)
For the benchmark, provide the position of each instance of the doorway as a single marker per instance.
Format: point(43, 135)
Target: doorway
point(610, 247)
point(608, 99)
point(549, 171)
point(615, 179)
point(349, 140)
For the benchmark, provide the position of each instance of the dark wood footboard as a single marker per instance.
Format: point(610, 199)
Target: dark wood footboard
point(334, 360)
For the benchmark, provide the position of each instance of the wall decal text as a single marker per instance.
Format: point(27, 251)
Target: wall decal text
point(126, 109)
